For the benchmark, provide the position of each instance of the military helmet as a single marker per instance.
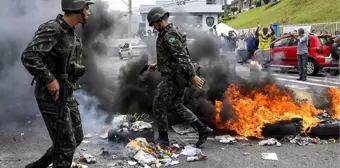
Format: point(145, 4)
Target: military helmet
point(74, 5)
point(156, 14)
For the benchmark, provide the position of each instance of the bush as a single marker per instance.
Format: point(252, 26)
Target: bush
point(266, 1)
point(233, 9)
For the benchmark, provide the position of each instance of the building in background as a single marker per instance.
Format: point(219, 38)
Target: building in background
point(201, 14)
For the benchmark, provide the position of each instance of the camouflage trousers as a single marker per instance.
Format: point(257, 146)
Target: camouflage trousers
point(72, 134)
point(169, 97)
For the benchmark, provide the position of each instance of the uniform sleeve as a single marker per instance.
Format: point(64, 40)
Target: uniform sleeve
point(34, 56)
point(179, 53)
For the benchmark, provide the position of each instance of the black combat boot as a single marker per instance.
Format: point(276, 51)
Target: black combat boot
point(163, 139)
point(203, 132)
point(43, 162)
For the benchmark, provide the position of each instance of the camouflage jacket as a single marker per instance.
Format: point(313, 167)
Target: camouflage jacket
point(52, 40)
point(172, 52)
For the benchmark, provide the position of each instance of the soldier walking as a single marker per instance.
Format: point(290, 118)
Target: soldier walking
point(173, 56)
point(54, 40)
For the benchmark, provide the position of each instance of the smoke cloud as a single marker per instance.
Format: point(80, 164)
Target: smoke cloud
point(19, 20)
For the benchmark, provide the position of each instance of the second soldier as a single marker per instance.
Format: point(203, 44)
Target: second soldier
point(173, 56)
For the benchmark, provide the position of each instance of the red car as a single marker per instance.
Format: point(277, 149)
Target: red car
point(284, 54)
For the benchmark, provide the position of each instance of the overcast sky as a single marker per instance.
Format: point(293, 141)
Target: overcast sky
point(120, 5)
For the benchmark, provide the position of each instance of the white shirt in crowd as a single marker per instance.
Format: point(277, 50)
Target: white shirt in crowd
point(241, 44)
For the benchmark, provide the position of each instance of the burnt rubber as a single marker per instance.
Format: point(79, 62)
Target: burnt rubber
point(326, 130)
point(282, 128)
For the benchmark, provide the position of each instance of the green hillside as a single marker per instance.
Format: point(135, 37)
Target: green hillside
point(289, 12)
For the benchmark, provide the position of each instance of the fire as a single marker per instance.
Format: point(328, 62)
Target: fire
point(265, 105)
point(155, 150)
point(334, 95)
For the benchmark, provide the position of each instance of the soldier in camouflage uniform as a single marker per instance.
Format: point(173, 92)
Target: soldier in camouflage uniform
point(53, 40)
point(172, 55)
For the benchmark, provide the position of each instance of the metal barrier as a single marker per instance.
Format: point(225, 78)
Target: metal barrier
point(328, 28)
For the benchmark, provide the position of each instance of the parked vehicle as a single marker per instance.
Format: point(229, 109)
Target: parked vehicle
point(131, 50)
point(321, 54)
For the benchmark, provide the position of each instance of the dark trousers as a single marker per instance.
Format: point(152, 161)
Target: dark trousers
point(72, 134)
point(303, 59)
point(168, 98)
point(250, 54)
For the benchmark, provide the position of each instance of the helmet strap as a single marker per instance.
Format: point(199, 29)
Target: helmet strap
point(83, 17)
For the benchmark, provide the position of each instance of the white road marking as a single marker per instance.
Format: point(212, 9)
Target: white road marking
point(306, 83)
point(329, 81)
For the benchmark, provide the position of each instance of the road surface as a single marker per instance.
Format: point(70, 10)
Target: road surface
point(26, 138)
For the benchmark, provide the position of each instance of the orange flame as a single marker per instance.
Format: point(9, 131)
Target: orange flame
point(334, 95)
point(155, 150)
point(260, 106)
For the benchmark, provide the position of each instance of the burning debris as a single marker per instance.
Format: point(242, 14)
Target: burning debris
point(268, 105)
point(151, 154)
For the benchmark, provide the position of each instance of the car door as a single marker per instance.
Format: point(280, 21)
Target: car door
point(291, 52)
point(279, 51)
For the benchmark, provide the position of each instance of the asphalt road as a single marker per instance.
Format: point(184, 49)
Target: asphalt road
point(26, 139)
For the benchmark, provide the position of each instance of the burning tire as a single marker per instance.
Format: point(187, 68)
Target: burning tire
point(326, 130)
point(283, 128)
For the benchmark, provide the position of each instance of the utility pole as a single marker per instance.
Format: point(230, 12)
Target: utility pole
point(225, 8)
point(130, 13)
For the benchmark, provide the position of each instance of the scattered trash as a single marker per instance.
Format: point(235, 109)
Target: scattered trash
point(226, 139)
point(132, 163)
point(22, 134)
point(175, 146)
point(105, 132)
point(246, 154)
point(83, 149)
point(78, 165)
point(302, 141)
point(85, 141)
point(199, 157)
point(270, 142)
point(88, 136)
point(171, 163)
point(87, 158)
point(29, 122)
point(144, 158)
point(222, 148)
point(194, 154)
point(269, 156)
point(256, 65)
point(38, 115)
point(149, 154)
point(140, 126)
point(240, 138)
point(183, 129)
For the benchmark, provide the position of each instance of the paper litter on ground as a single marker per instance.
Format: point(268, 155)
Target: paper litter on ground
point(269, 156)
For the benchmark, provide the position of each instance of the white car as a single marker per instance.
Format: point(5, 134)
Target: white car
point(131, 50)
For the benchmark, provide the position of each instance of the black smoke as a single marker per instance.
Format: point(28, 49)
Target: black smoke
point(19, 20)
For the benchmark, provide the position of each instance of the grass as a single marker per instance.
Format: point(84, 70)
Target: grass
point(289, 12)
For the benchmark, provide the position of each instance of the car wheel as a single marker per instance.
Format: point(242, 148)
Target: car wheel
point(129, 55)
point(312, 67)
point(120, 56)
point(336, 51)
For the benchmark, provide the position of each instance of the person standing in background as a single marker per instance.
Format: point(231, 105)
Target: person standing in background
point(251, 45)
point(265, 38)
point(302, 53)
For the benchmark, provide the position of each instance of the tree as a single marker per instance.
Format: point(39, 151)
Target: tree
point(233, 9)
